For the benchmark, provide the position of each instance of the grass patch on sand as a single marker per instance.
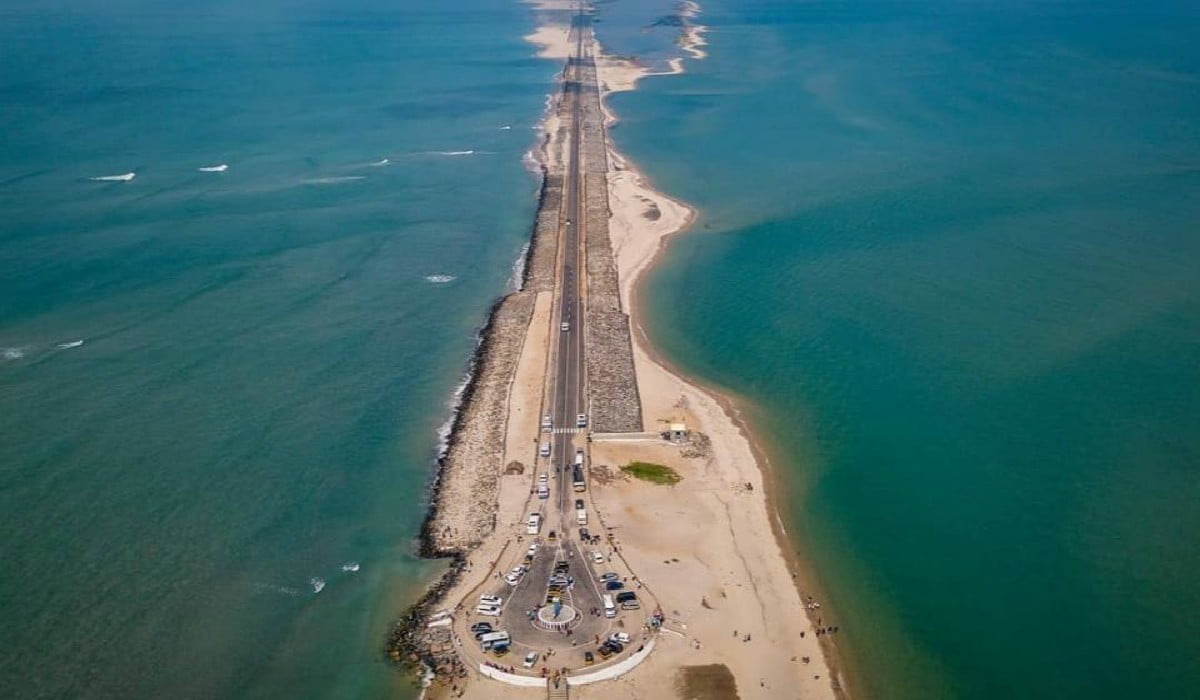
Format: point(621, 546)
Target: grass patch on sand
point(654, 473)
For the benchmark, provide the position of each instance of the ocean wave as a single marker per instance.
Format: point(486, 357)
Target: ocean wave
point(506, 127)
point(69, 344)
point(351, 567)
point(517, 276)
point(317, 583)
point(213, 168)
point(333, 180)
point(379, 163)
point(440, 279)
point(453, 153)
point(12, 353)
point(114, 178)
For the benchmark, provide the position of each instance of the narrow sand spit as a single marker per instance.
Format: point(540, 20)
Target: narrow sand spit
point(709, 548)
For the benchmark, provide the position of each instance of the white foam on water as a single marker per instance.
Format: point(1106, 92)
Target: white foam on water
point(333, 180)
point(12, 353)
point(69, 345)
point(379, 163)
point(318, 584)
point(454, 153)
point(214, 168)
point(115, 178)
point(506, 127)
point(351, 566)
point(518, 269)
point(440, 279)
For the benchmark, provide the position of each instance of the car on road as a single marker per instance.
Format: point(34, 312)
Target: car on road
point(491, 600)
point(610, 576)
point(566, 326)
point(589, 658)
point(530, 659)
point(547, 421)
point(597, 557)
point(514, 577)
point(581, 420)
point(622, 637)
point(532, 549)
point(561, 567)
point(543, 478)
point(613, 585)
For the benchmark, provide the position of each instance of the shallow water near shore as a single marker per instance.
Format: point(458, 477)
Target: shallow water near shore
point(947, 255)
point(221, 389)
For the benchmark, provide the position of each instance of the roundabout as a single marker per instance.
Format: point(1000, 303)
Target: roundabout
point(556, 616)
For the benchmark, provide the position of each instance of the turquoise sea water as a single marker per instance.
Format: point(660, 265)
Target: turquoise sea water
point(948, 257)
point(265, 365)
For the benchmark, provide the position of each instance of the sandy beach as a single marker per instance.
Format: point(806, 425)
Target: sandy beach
point(710, 549)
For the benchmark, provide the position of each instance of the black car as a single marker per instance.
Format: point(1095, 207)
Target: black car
point(583, 534)
point(481, 627)
point(615, 646)
point(626, 596)
point(578, 504)
point(613, 585)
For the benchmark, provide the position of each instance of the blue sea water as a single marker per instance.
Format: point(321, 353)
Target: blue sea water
point(266, 360)
point(947, 257)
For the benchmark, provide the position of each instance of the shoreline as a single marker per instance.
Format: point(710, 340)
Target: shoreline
point(633, 278)
point(473, 489)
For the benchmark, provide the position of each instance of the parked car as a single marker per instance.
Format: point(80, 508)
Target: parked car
point(610, 576)
point(584, 534)
point(532, 549)
point(579, 504)
point(566, 326)
point(547, 421)
point(627, 595)
point(604, 651)
point(488, 611)
point(552, 536)
point(491, 600)
point(597, 557)
point(622, 637)
point(613, 585)
point(500, 650)
point(589, 658)
point(530, 659)
point(481, 628)
point(581, 420)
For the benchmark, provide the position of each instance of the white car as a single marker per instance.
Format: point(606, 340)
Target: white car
point(543, 478)
point(547, 421)
point(566, 326)
point(621, 637)
point(493, 600)
point(531, 659)
point(488, 610)
point(532, 549)
point(581, 420)
point(597, 557)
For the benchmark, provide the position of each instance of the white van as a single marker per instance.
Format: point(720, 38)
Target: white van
point(610, 609)
point(581, 516)
point(493, 639)
point(534, 524)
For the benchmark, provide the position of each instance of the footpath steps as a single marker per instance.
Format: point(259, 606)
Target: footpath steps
point(561, 692)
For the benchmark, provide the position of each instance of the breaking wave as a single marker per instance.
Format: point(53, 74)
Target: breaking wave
point(69, 345)
point(318, 584)
point(214, 168)
point(332, 180)
point(12, 353)
point(440, 279)
point(351, 566)
point(454, 153)
point(379, 163)
point(114, 178)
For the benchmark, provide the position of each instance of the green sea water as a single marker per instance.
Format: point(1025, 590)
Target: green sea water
point(948, 259)
point(267, 352)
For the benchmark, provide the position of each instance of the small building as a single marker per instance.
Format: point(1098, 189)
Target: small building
point(678, 433)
